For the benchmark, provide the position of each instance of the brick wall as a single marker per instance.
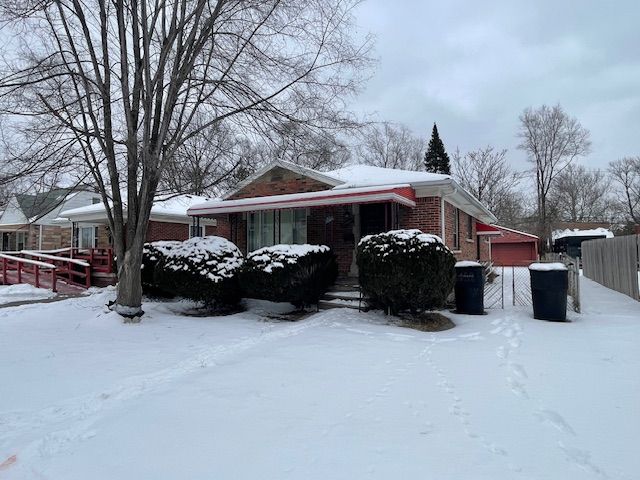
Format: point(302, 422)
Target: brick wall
point(467, 249)
point(425, 216)
point(279, 181)
point(167, 231)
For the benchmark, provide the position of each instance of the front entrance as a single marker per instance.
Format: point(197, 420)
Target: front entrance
point(377, 218)
point(369, 219)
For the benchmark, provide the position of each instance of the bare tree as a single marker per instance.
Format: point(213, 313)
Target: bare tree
point(626, 175)
point(579, 195)
point(487, 175)
point(206, 164)
point(552, 140)
point(115, 87)
point(391, 146)
point(296, 143)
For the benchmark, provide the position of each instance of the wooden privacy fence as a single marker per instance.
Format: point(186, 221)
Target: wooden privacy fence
point(613, 262)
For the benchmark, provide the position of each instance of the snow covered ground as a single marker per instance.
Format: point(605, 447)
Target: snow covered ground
point(23, 292)
point(338, 395)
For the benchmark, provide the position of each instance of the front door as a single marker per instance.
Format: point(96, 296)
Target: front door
point(374, 218)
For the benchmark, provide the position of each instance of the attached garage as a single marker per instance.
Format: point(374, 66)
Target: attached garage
point(513, 247)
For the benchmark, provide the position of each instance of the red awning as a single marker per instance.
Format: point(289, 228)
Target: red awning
point(484, 229)
point(402, 194)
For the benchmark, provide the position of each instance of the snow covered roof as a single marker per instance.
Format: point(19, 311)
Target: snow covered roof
point(173, 207)
point(594, 232)
point(354, 176)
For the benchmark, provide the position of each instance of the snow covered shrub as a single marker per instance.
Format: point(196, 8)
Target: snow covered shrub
point(298, 274)
point(203, 269)
point(405, 270)
point(153, 255)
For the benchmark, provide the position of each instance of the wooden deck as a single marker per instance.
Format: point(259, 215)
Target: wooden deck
point(61, 286)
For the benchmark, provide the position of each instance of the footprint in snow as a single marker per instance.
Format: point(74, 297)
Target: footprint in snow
point(554, 419)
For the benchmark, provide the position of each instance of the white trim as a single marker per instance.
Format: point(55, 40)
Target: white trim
point(300, 170)
point(517, 231)
point(277, 202)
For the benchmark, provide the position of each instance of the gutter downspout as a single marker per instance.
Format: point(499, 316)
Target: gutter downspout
point(40, 238)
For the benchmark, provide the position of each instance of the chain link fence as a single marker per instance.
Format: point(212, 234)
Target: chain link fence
point(573, 266)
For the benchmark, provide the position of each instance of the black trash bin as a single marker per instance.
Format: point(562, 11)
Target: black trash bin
point(469, 288)
point(549, 285)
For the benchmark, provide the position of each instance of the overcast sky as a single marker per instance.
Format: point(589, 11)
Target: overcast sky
point(472, 67)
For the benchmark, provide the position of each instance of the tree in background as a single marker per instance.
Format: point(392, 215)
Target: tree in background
point(625, 174)
point(111, 90)
point(436, 159)
point(297, 143)
point(487, 175)
point(390, 146)
point(552, 140)
point(579, 195)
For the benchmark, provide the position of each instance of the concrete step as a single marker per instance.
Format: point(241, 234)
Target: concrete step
point(338, 303)
point(342, 295)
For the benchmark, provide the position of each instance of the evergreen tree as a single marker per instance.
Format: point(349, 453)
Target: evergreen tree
point(436, 159)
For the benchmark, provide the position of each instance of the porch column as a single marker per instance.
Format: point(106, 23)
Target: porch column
point(355, 209)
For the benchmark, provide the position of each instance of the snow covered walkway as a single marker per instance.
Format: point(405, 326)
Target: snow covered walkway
point(338, 395)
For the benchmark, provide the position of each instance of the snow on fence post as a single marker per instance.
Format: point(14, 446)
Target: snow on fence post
point(613, 262)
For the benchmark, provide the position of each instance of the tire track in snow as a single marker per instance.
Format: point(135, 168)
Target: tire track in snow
point(50, 430)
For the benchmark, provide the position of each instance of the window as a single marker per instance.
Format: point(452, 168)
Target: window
point(95, 200)
point(456, 229)
point(87, 237)
point(21, 240)
point(271, 227)
point(469, 227)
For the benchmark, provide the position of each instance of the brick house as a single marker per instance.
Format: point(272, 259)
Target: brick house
point(29, 221)
point(168, 221)
point(287, 203)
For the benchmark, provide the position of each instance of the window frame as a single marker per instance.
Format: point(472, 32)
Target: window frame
point(469, 227)
point(296, 227)
point(456, 229)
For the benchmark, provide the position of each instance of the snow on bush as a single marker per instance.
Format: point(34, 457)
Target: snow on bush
point(298, 274)
point(204, 269)
point(153, 255)
point(405, 270)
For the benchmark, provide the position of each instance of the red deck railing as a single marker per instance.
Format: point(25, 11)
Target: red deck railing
point(73, 271)
point(36, 268)
point(74, 266)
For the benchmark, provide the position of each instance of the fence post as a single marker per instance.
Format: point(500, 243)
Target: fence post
point(19, 271)
point(513, 285)
point(37, 275)
point(87, 278)
point(502, 286)
point(4, 271)
point(54, 279)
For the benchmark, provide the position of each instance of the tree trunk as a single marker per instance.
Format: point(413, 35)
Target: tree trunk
point(129, 299)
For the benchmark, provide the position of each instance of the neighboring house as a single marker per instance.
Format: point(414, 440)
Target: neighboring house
point(28, 220)
point(513, 247)
point(287, 203)
point(569, 241)
point(168, 221)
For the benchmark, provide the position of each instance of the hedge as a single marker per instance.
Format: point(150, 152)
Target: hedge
point(298, 274)
point(405, 270)
point(204, 269)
